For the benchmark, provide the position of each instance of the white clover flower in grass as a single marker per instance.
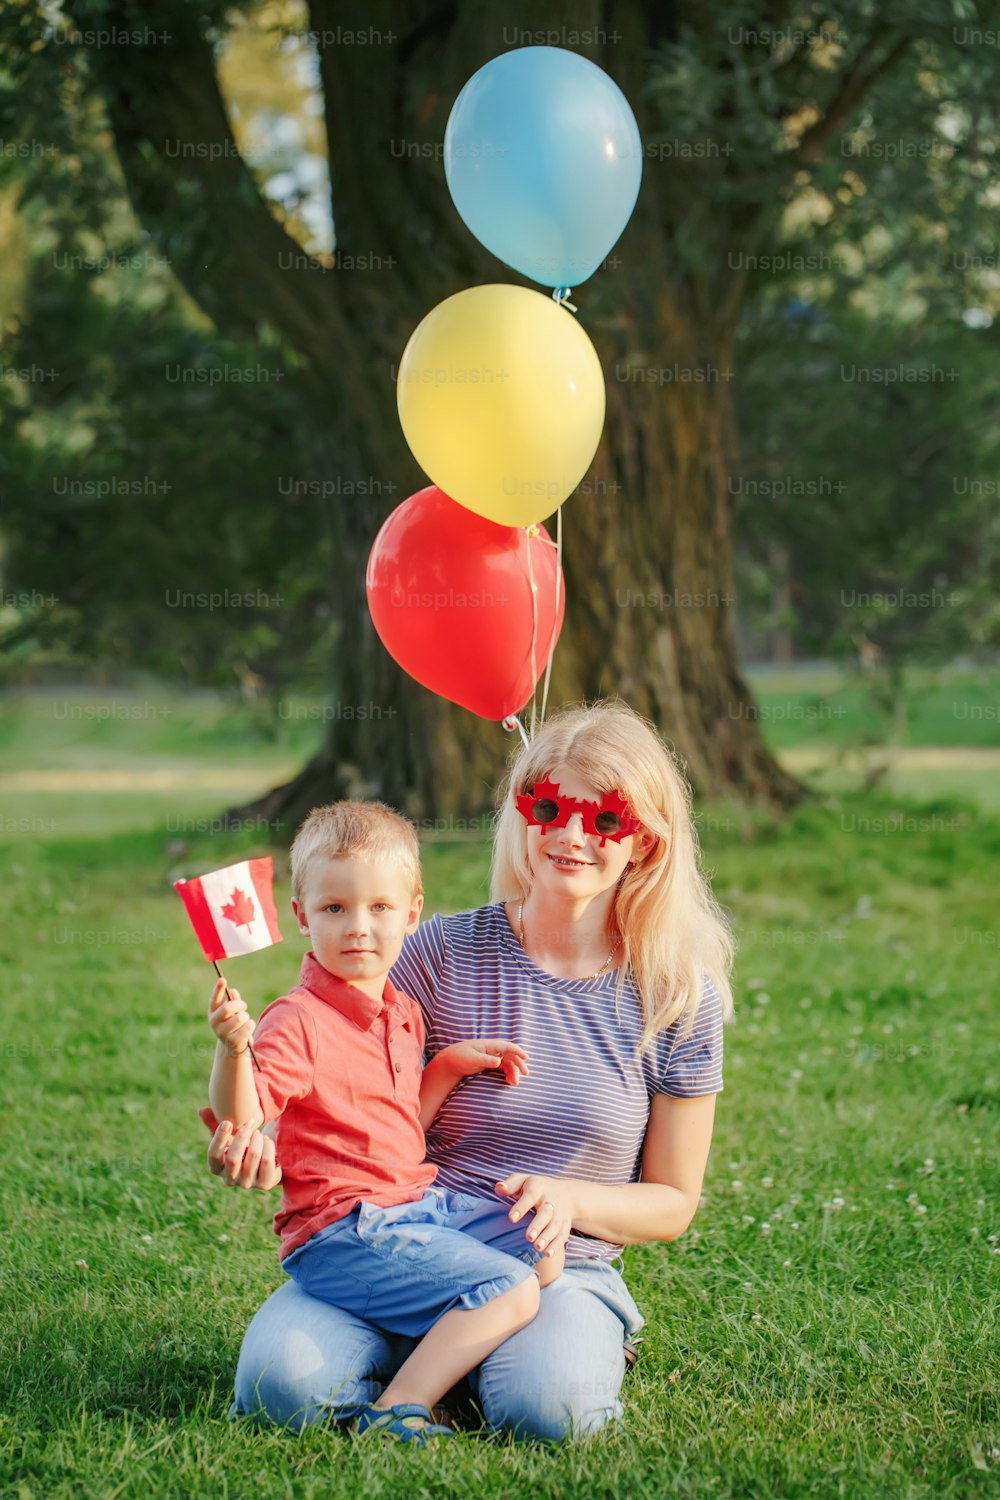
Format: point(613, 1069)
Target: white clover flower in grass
point(748, 1218)
point(748, 1286)
point(796, 1073)
point(785, 1264)
point(767, 1182)
point(736, 1185)
point(765, 1230)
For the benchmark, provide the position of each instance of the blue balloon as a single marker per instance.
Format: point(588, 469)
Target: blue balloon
point(543, 160)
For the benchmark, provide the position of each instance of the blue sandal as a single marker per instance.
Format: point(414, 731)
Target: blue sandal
point(409, 1423)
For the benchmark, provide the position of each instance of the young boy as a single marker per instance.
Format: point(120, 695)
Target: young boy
point(340, 1064)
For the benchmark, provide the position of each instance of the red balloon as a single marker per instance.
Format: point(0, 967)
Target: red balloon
point(450, 596)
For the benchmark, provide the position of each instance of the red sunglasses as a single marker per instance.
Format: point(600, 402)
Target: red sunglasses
point(611, 818)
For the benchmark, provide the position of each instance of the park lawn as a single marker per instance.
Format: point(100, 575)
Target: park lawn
point(824, 707)
point(828, 1327)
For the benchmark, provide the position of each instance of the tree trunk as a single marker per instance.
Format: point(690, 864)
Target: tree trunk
point(650, 597)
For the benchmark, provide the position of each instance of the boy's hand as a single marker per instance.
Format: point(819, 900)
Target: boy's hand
point(230, 1019)
point(485, 1054)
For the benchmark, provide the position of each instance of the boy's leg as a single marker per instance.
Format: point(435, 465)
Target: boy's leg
point(404, 1269)
point(552, 1266)
point(459, 1341)
point(488, 1220)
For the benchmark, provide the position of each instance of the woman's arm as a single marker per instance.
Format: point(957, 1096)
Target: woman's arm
point(243, 1158)
point(661, 1206)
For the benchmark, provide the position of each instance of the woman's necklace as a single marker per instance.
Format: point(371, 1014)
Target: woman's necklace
point(604, 965)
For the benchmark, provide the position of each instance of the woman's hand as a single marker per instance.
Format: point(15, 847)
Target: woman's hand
point(484, 1054)
point(245, 1160)
point(551, 1198)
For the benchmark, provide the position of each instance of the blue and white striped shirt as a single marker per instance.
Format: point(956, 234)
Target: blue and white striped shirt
point(584, 1108)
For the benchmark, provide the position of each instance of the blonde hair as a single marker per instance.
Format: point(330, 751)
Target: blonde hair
point(674, 934)
point(345, 828)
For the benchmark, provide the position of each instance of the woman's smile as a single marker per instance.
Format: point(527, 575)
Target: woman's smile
point(568, 862)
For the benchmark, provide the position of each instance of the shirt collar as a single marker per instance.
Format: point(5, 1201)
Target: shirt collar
point(347, 998)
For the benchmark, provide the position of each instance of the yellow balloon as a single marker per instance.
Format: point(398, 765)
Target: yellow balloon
point(501, 398)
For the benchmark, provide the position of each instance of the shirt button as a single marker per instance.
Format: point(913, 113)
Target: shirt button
point(399, 1067)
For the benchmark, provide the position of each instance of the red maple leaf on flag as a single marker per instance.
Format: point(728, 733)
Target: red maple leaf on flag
point(239, 909)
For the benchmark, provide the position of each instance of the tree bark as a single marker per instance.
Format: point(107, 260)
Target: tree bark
point(648, 554)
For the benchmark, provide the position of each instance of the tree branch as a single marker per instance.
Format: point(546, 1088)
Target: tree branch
point(191, 188)
point(852, 88)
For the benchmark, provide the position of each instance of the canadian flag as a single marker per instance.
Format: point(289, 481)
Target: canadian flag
point(232, 910)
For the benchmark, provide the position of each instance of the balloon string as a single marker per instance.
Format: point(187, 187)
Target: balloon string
point(555, 617)
point(513, 722)
point(561, 296)
point(534, 621)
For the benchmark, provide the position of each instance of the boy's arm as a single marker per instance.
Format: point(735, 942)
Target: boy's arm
point(231, 1090)
point(459, 1061)
point(436, 1083)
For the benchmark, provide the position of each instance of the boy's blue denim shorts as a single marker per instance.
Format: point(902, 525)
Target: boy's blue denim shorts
point(403, 1267)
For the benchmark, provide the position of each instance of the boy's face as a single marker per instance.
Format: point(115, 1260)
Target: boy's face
point(356, 912)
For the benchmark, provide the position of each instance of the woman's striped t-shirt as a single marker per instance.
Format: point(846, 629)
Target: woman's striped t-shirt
point(584, 1108)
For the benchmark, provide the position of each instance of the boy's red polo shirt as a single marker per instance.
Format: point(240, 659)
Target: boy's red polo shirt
point(343, 1072)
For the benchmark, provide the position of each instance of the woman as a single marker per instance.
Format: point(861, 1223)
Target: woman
point(605, 956)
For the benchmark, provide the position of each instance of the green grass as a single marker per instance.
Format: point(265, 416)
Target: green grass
point(848, 1349)
point(830, 708)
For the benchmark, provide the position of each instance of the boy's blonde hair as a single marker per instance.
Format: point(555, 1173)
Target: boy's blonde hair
point(367, 828)
point(673, 931)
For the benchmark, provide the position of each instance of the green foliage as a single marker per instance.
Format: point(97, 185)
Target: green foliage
point(854, 224)
point(148, 458)
point(866, 379)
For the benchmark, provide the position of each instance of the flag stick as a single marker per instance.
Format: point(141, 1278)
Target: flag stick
point(229, 995)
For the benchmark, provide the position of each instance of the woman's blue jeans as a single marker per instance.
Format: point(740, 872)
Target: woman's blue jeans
point(304, 1361)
